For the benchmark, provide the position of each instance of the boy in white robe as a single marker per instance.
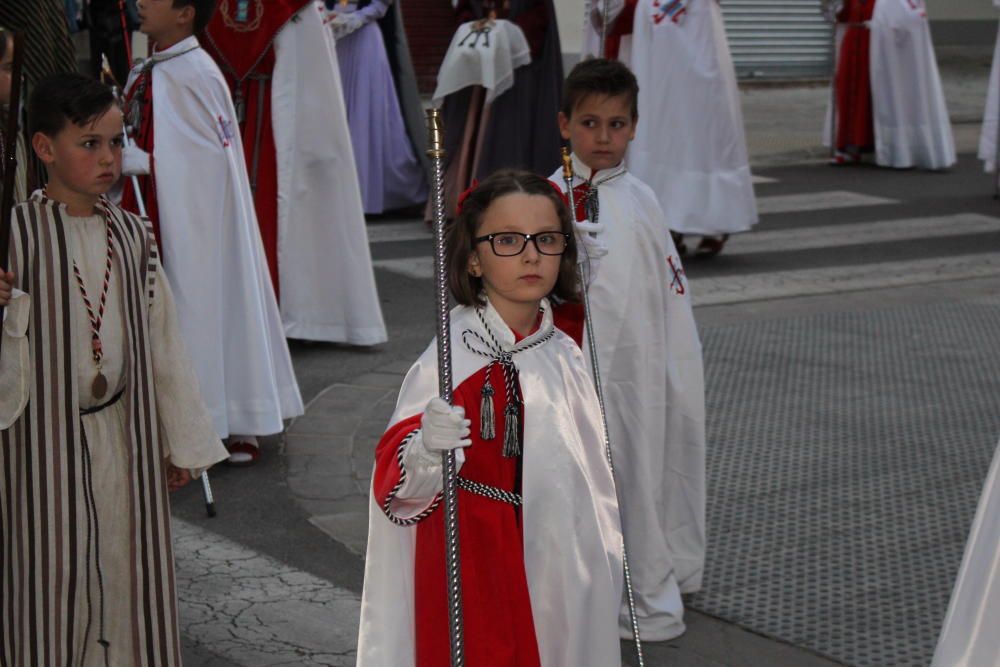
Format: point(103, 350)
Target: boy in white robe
point(100, 411)
point(649, 353)
point(199, 199)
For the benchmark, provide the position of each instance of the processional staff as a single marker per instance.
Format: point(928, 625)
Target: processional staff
point(595, 367)
point(109, 78)
point(435, 151)
point(9, 152)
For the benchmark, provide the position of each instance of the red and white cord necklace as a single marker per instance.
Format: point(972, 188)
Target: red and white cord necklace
point(100, 385)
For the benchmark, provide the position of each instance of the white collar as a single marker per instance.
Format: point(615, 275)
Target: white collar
point(582, 171)
point(505, 335)
point(178, 49)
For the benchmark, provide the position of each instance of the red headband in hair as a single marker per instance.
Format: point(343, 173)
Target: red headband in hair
point(465, 195)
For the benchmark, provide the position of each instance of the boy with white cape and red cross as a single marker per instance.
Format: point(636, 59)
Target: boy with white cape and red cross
point(198, 198)
point(649, 353)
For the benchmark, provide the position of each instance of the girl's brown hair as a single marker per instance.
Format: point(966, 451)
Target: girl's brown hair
point(461, 233)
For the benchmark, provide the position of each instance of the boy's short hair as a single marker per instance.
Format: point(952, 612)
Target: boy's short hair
point(460, 235)
point(600, 76)
point(203, 10)
point(69, 97)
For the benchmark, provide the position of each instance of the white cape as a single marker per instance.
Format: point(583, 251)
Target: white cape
point(970, 637)
point(572, 535)
point(212, 250)
point(988, 136)
point(912, 127)
point(325, 269)
point(650, 362)
point(690, 146)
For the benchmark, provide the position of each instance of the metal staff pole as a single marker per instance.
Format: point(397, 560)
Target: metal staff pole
point(435, 151)
point(206, 485)
point(830, 9)
point(9, 150)
point(595, 367)
point(603, 52)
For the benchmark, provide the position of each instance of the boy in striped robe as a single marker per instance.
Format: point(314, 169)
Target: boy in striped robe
point(100, 412)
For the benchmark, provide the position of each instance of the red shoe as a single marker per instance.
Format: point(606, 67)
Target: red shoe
point(242, 453)
point(711, 246)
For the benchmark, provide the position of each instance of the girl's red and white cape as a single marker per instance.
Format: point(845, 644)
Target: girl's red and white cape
point(572, 532)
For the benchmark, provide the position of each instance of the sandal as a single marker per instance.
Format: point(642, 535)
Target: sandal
point(243, 451)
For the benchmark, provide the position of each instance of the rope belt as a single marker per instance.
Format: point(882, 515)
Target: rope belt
point(97, 408)
point(491, 492)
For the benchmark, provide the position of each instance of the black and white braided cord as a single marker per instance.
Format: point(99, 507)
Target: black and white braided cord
point(491, 492)
point(413, 520)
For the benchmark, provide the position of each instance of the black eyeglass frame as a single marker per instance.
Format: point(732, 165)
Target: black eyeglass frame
point(568, 238)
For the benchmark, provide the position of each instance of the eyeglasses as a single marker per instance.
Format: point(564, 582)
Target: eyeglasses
point(509, 244)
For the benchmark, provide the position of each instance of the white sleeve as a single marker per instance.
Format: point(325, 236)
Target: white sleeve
point(15, 359)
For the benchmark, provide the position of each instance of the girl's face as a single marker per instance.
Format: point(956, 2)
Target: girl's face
point(518, 280)
point(6, 66)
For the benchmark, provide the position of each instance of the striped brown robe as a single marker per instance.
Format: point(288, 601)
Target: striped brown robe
point(47, 508)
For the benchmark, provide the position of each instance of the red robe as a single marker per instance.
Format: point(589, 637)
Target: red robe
point(499, 630)
point(855, 122)
point(622, 28)
point(246, 58)
point(143, 138)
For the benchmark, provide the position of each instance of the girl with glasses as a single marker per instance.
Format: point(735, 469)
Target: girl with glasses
point(539, 533)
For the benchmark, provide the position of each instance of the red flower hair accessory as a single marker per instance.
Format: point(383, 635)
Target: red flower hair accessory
point(465, 195)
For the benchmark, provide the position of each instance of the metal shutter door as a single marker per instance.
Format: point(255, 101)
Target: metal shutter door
point(778, 39)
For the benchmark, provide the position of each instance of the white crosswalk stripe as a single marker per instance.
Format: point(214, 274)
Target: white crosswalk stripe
point(797, 282)
point(883, 231)
point(810, 282)
point(818, 201)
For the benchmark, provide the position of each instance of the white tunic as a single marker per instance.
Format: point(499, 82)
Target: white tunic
point(650, 363)
point(212, 249)
point(570, 513)
point(988, 136)
point(970, 636)
point(324, 262)
point(912, 127)
point(689, 146)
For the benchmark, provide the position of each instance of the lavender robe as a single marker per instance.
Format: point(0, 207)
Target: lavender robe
point(390, 174)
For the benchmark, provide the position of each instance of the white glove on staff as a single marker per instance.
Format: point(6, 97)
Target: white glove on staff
point(442, 428)
point(590, 247)
point(135, 161)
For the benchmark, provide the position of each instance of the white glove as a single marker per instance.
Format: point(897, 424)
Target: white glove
point(345, 23)
point(590, 248)
point(444, 427)
point(135, 161)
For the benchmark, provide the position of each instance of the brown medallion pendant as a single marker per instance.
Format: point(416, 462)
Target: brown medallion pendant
point(100, 386)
